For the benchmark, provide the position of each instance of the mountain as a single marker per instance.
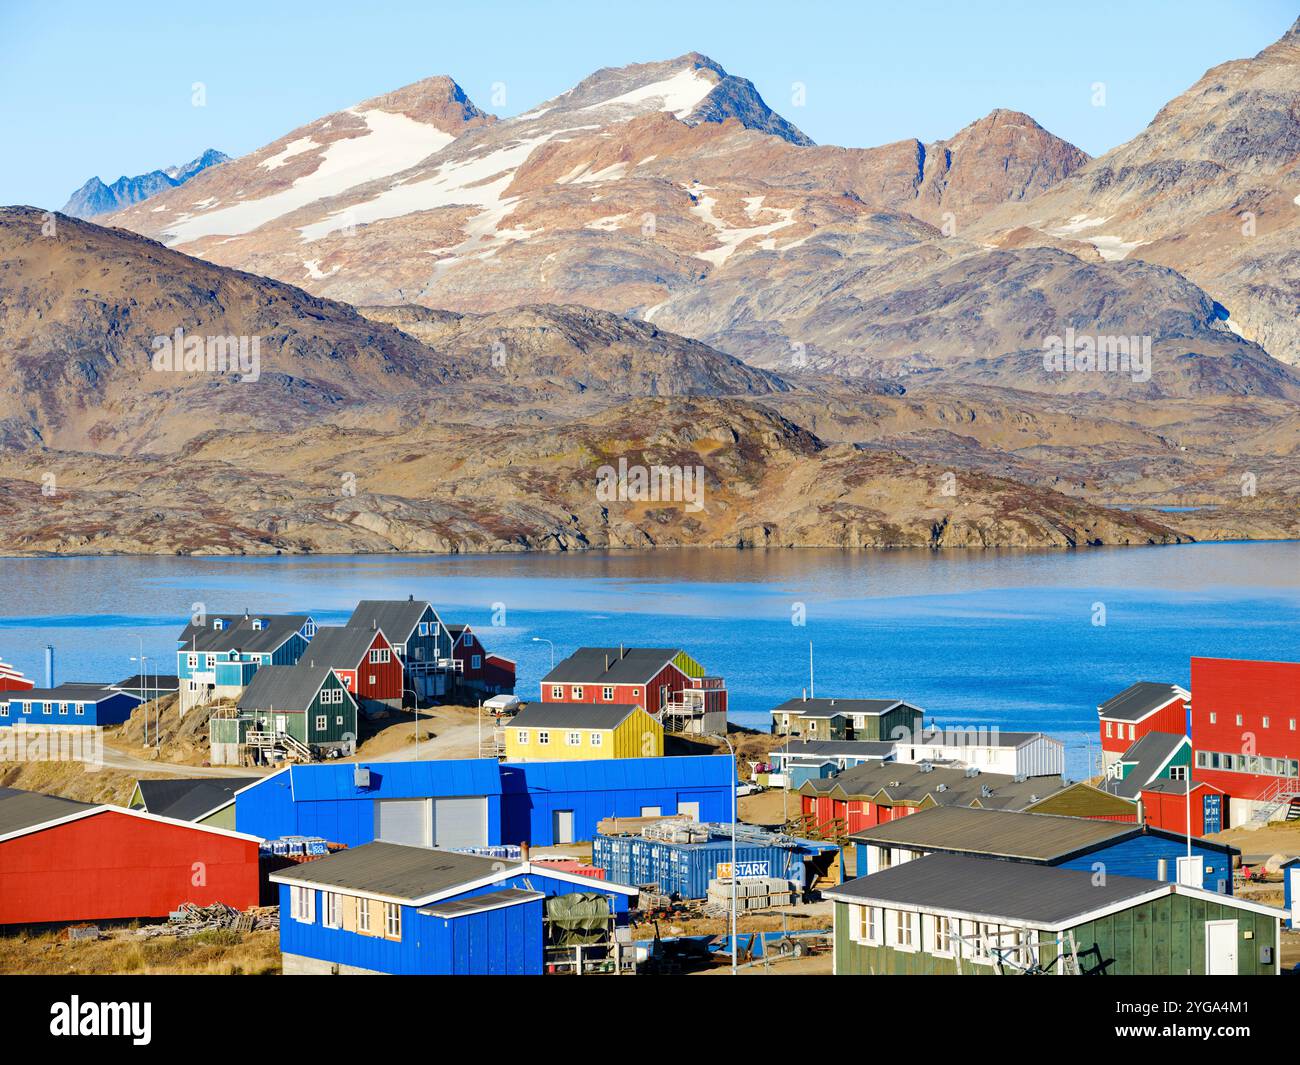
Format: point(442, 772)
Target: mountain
point(1209, 188)
point(96, 198)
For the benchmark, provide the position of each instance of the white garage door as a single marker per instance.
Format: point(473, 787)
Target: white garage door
point(402, 821)
point(460, 822)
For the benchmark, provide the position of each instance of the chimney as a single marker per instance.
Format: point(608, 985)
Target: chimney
point(49, 665)
point(374, 625)
point(523, 851)
point(805, 695)
point(606, 661)
point(621, 652)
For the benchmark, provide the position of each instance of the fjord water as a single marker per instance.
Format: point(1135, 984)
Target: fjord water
point(977, 638)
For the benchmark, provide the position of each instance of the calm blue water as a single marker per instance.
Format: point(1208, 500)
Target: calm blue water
point(1001, 638)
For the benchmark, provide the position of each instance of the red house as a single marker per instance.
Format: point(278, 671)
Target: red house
point(1139, 709)
point(364, 660)
point(1165, 805)
point(1246, 734)
point(64, 861)
point(666, 681)
point(11, 680)
point(478, 671)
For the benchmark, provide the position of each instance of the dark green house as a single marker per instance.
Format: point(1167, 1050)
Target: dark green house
point(950, 914)
point(304, 710)
point(847, 719)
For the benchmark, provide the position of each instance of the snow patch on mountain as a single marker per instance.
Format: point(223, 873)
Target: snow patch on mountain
point(679, 94)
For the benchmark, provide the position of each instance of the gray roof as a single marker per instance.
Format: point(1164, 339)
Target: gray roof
point(411, 874)
point(78, 692)
point(571, 715)
point(397, 617)
point(997, 833)
point(340, 646)
point(26, 809)
point(286, 688)
point(238, 633)
point(984, 887)
point(837, 748)
point(492, 900)
point(1138, 700)
point(1147, 755)
point(138, 685)
point(994, 737)
point(836, 707)
point(186, 799)
point(611, 665)
point(906, 782)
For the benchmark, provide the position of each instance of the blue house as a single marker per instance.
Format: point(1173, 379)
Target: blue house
point(1104, 848)
point(67, 704)
point(418, 637)
point(478, 802)
point(388, 908)
point(216, 658)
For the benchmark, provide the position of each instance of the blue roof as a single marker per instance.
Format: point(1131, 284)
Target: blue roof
point(397, 780)
point(621, 774)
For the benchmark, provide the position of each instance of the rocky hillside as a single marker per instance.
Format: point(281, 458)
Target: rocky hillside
point(96, 198)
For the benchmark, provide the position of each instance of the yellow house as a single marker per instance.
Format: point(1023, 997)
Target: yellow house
point(563, 732)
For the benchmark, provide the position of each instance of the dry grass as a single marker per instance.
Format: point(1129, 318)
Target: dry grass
point(219, 953)
point(70, 780)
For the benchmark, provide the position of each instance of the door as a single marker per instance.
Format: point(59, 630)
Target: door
point(1213, 814)
point(652, 811)
point(1221, 948)
point(281, 723)
point(562, 826)
point(403, 821)
point(459, 823)
point(1191, 871)
point(689, 809)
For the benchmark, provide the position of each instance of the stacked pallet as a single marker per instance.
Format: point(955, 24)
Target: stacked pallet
point(752, 893)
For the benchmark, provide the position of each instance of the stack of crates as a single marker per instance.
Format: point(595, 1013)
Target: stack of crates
point(752, 893)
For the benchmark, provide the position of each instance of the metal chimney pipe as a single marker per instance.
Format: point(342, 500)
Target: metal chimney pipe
point(49, 665)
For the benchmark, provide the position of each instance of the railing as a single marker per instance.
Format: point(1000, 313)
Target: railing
point(1282, 792)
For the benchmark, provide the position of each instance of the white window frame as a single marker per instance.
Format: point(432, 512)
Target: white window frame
point(944, 943)
point(331, 909)
point(322, 722)
point(607, 693)
point(80, 709)
point(363, 915)
point(302, 904)
point(521, 735)
point(392, 921)
point(576, 690)
point(597, 738)
point(543, 736)
point(557, 691)
point(574, 738)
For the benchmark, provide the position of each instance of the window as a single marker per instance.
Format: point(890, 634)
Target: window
point(380, 656)
point(372, 679)
point(257, 624)
point(4, 710)
point(475, 661)
point(522, 735)
point(577, 692)
point(1238, 719)
point(574, 739)
point(321, 719)
point(363, 915)
point(943, 935)
point(302, 904)
point(80, 709)
point(218, 624)
point(636, 693)
point(1293, 724)
point(63, 709)
point(871, 925)
point(904, 927)
point(1108, 730)
point(1132, 732)
point(607, 693)
point(557, 691)
point(392, 921)
point(399, 649)
point(1266, 720)
point(424, 628)
point(543, 736)
point(332, 907)
point(596, 739)
point(1213, 717)
point(1178, 772)
point(192, 661)
point(338, 720)
point(27, 708)
point(469, 639)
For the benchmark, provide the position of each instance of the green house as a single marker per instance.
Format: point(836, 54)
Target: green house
point(847, 719)
point(305, 710)
point(950, 914)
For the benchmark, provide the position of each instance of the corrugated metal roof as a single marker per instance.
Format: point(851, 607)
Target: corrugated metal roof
point(287, 687)
point(397, 617)
point(397, 871)
point(572, 715)
point(1138, 700)
point(239, 634)
point(397, 780)
point(611, 665)
point(22, 809)
point(621, 774)
point(340, 646)
point(493, 900)
point(997, 833)
point(987, 887)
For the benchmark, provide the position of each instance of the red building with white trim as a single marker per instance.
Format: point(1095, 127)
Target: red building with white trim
point(478, 670)
point(63, 861)
point(1246, 733)
point(364, 660)
point(1139, 709)
point(12, 680)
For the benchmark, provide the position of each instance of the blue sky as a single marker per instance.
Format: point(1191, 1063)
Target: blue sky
point(94, 88)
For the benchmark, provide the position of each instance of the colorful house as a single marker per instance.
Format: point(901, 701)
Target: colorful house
point(216, 658)
point(1246, 732)
point(667, 682)
point(990, 750)
point(68, 704)
point(63, 861)
point(1165, 804)
point(1045, 839)
point(300, 711)
point(364, 661)
point(418, 638)
point(569, 731)
point(848, 719)
point(403, 910)
point(956, 914)
point(480, 674)
point(1156, 756)
point(1140, 708)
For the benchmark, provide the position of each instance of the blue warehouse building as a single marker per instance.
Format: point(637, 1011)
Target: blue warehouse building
point(389, 908)
point(68, 704)
point(466, 803)
point(1106, 848)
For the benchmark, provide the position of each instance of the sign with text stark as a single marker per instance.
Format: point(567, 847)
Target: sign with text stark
point(744, 870)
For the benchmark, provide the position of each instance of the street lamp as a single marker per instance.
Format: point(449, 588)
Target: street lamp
point(143, 674)
point(543, 639)
point(415, 707)
point(734, 946)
